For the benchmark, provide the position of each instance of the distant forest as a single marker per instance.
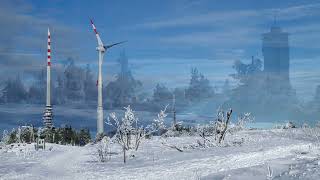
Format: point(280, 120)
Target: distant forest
point(255, 92)
point(77, 85)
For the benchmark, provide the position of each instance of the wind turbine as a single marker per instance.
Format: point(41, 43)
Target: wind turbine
point(101, 50)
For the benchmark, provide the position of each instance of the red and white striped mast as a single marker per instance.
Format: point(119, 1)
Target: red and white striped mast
point(47, 116)
point(49, 70)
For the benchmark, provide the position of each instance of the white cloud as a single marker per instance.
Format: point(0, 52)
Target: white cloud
point(238, 37)
point(235, 16)
point(237, 28)
point(24, 36)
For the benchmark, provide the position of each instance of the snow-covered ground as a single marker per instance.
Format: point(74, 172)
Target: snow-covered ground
point(291, 154)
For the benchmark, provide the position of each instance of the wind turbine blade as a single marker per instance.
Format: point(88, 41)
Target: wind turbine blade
point(97, 34)
point(109, 46)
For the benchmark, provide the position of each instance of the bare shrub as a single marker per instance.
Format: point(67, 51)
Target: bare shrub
point(128, 134)
point(103, 149)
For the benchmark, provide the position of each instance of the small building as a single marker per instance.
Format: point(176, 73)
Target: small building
point(40, 144)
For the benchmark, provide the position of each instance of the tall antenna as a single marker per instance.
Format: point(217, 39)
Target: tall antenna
point(101, 48)
point(47, 116)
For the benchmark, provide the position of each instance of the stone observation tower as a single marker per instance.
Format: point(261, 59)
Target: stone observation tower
point(275, 50)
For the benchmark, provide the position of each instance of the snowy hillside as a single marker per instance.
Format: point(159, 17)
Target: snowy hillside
point(289, 154)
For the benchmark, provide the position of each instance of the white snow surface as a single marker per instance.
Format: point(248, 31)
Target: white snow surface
point(289, 153)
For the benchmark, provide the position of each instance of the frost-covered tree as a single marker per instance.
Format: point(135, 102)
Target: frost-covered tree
point(73, 82)
point(104, 149)
point(193, 92)
point(199, 87)
point(263, 93)
point(128, 133)
point(158, 125)
point(84, 136)
point(90, 90)
point(204, 131)
point(13, 136)
point(242, 121)
point(217, 129)
point(5, 137)
point(161, 93)
point(124, 89)
point(37, 89)
point(27, 134)
point(14, 91)
point(260, 92)
point(221, 124)
point(60, 97)
point(245, 72)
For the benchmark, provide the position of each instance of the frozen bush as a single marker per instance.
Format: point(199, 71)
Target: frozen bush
point(158, 125)
point(128, 134)
point(5, 137)
point(103, 149)
point(221, 124)
point(242, 122)
point(289, 125)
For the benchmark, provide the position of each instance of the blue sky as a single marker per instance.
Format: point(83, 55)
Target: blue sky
point(165, 38)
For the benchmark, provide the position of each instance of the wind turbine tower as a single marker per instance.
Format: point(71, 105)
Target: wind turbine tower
point(47, 116)
point(101, 48)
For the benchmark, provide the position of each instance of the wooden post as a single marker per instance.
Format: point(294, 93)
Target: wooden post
point(124, 154)
point(226, 126)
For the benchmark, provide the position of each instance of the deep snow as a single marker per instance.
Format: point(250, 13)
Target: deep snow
point(291, 154)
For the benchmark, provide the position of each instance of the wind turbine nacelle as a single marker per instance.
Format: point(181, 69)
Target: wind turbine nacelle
point(101, 48)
